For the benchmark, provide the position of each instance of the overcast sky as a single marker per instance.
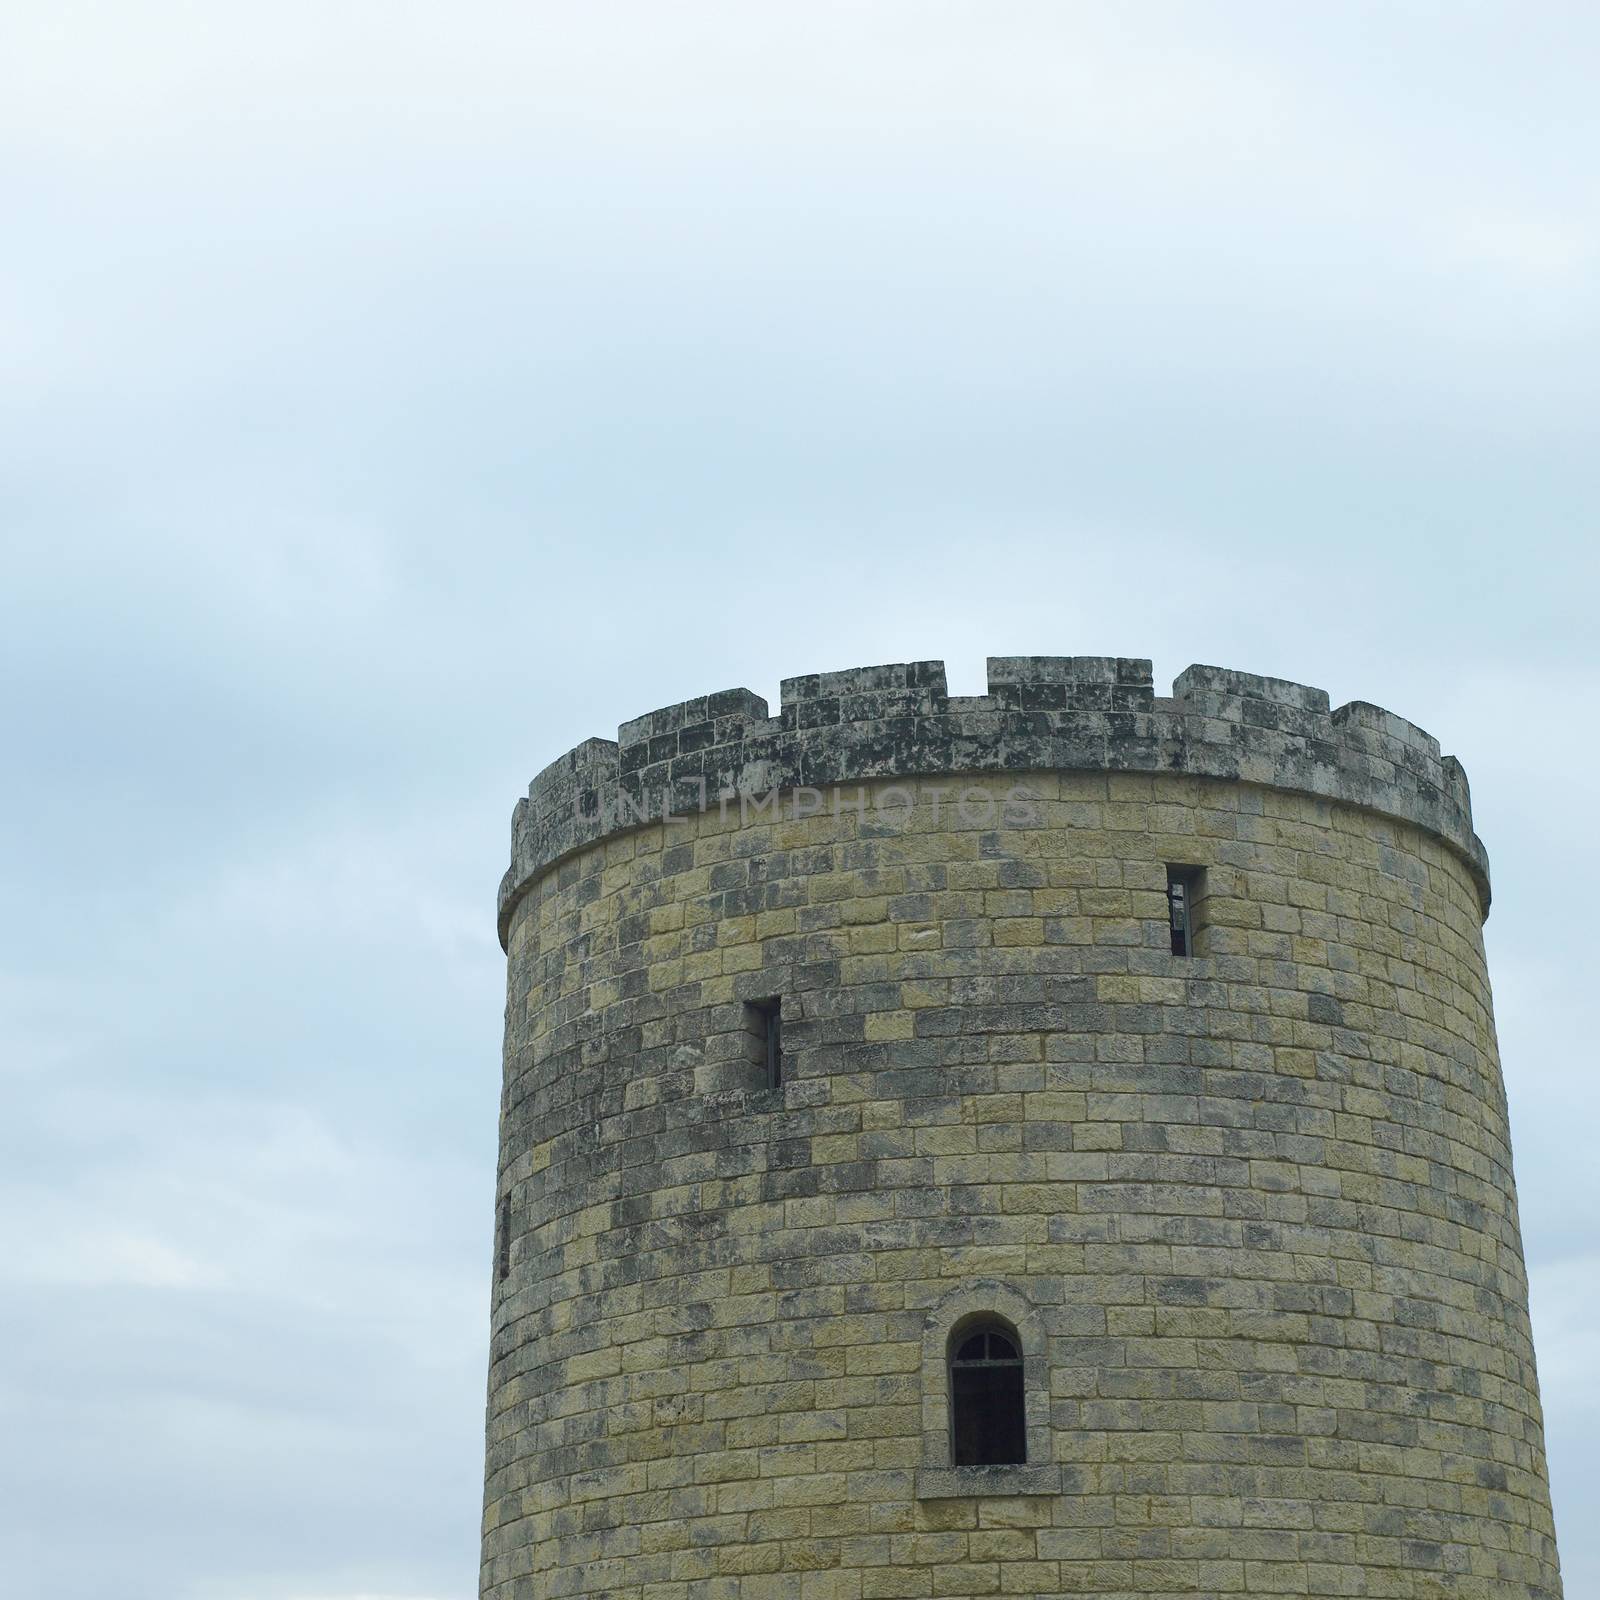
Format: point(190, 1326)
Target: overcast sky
point(397, 394)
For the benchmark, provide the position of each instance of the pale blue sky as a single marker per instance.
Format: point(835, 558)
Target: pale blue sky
point(396, 395)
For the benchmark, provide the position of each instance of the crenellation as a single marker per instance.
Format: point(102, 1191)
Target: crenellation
point(1361, 725)
point(582, 766)
point(1042, 713)
point(1025, 670)
point(731, 707)
point(864, 697)
point(690, 725)
point(1457, 789)
point(1070, 683)
point(1197, 681)
point(593, 767)
point(927, 676)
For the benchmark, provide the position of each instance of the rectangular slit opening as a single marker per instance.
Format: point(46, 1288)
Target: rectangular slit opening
point(763, 1026)
point(1183, 897)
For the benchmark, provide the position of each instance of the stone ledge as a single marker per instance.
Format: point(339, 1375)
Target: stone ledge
point(960, 1483)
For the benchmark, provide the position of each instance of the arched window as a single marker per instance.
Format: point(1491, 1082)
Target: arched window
point(988, 1425)
point(986, 1395)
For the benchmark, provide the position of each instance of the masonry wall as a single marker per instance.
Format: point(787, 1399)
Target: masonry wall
point(1256, 1205)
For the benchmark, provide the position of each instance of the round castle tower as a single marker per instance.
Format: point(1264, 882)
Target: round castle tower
point(1049, 1143)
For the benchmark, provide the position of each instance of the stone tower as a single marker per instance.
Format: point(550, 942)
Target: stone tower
point(1041, 1144)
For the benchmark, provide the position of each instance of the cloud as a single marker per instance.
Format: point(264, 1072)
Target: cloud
point(1563, 1297)
point(1540, 247)
point(48, 1253)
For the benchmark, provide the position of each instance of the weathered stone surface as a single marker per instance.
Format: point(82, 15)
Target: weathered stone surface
point(1251, 1211)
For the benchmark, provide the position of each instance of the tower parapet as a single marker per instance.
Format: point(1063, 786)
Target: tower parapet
point(1042, 713)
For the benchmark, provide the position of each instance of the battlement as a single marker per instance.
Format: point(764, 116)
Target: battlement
point(1041, 713)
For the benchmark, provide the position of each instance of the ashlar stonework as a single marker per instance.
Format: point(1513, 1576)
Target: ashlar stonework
point(1247, 1214)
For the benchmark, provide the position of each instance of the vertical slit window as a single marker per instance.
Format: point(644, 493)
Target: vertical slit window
point(1182, 883)
point(763, 1023)
point(503, 1252)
